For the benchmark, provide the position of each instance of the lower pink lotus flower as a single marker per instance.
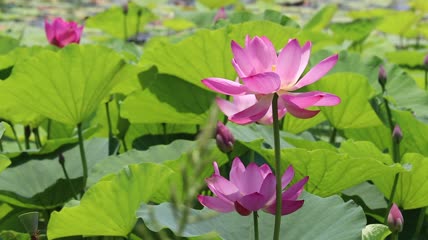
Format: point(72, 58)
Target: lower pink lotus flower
point(61, 33)
point(251, 189)
point(262, 73)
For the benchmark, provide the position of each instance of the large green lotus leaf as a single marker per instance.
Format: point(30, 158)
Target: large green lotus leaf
point(410, 58)
point(354, 111)
point(400, 87)
point(376, 232)
point(376, 135)
point(168, 99)
point(369, 194)
point(356, 30)
point(112, 20)
point(405, 93)
point(171, 155)
point(41, 184)
point(398, 22)
point(2, 129)
point(108, 208)
point(67, 85)
point(207, 53)
point(412, 188)
point(9, 217)
point(329, 218)
point(332, 172)
point(216, 3)
point(322, 18)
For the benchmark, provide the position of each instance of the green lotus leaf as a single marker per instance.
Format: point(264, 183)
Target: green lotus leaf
point(68, 85)
point(108, 208)
point(322, 18)
point(333, 218)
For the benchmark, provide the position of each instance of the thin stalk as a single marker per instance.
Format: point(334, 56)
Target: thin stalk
point(394, 236)
point(333, 136)
point(37, 137)
point(165, 136)
point(16, 137)
point(391, 197)
point(420, 223)
point(225, 118)
point(49, 129)
point(125, 24)
point(82, 155)
point(110, 131)
point(125, 147)
point(1, 145)
point(256, 225)
point(277, 167)
point(426, 79)
point(68, 179)
point(137, 30)
point(27, 143)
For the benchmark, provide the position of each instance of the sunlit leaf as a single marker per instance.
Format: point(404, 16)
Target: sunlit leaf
point(108, 208)
point(333, 219)
point(354, 111)
point(322, 18)
point(376, 232)
point(67, 85)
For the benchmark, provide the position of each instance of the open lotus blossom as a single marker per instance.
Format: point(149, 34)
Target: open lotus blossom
point(262, 73)
point(251, 189)
point(61, 33)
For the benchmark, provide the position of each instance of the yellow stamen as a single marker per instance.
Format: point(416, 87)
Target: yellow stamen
point(273, 68)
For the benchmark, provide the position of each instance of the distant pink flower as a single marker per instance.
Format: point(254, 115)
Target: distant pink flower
point(251, 189)
point(263, 73)
point(61, 33)
point(224, 138)
point(395, 219)
point(221, 14)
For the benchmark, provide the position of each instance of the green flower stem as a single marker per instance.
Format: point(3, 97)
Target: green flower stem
point(225, 118)
point(125, 29)
point(82, 155)
point(277, 167)
point(110, 131)
point(420, 223)
point(125, 147)
point(256, 225)
point(1, 145)
point(395, 157)
point(27, 143)
point(426, 78)
point(37, 137)
point(68, 180)
point(16, 137)
point(394, 236)
point(48, 130)
point(333, 136)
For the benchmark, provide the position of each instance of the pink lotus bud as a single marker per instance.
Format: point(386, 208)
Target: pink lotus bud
point(224, 138)
point(395, 219)
point(397, 134)
point(221, 14)
point(382, 76)
point(61, 33)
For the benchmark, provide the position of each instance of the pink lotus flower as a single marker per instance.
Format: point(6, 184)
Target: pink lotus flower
point(251, 189)
point(395, 219)
point(61, 33)
point(263, 73)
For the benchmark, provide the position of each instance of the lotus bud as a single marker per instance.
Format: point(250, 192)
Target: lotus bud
point(382, 77)
point(395, 219)
point(224, 138)
point(221, 14)
point(61, 159)
point(125, 8)
point(397, 134)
